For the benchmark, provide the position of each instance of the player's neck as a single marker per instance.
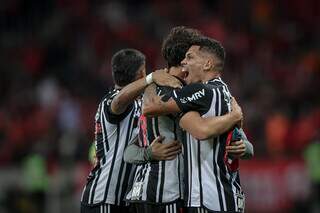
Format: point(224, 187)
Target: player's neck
point(211, 75)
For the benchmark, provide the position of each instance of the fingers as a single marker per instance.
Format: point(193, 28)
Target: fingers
point(173, 149)
point(176, 85)
point(239, 147)
point(238, 151)
point(236, 109)
point(163, 78)
point(235, 146)
point(237, 143)
point(173, 82)
point(172, 155)
point(172, 144)
point(158, 139)
point(167, 151)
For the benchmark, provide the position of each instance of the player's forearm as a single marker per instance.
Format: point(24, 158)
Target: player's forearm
point(127, 95)
point(137, 155)
point(249, 152)
point(203, 128)
point(150, 96)
point(152, 104)
point(215, 126)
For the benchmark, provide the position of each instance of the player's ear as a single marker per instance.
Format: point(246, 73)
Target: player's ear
point(208, 65)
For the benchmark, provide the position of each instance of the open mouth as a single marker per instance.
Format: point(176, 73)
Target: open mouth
point(185, 73)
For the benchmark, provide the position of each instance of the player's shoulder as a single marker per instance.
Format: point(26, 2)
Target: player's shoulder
point(109, 96)
point(196, 88)
point(216, 83)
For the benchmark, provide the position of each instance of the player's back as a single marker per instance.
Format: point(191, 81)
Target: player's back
point(108, 181)
point(161, 181)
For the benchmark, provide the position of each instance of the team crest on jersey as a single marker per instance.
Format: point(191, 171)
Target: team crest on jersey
point(183, 100)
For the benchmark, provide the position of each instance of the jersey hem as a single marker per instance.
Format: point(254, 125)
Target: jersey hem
point(154, 203)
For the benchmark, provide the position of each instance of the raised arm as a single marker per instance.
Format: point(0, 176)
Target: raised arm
point(130, 92)
point(193, 97)
point(203, 128)
point(153, 105)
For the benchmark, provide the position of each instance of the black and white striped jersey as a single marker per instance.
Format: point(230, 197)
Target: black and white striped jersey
point(158, 181)
point(209, 183)
point(108, 181)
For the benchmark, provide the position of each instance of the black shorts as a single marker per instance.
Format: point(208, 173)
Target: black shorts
point(105, 208)
point(196, 210)
point(152, 208)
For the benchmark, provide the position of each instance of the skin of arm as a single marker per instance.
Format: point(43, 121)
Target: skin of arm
point(154, 106)
point(130, 92)
point(127, 95)
point(203, 128)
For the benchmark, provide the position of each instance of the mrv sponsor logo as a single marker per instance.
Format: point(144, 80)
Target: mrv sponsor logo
point(195, 96)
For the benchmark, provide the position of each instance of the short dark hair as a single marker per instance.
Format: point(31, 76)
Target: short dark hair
point(177, 43)
point(212, 46)
point(125, 65)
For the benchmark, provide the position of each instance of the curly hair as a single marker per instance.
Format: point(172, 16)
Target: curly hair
point(177, 43)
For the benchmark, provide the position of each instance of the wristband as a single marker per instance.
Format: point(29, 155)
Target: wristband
point(149, 79)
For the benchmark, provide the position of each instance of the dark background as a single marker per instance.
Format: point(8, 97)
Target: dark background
point(55, 67)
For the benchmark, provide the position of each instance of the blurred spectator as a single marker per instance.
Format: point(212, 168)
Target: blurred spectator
point(55, 67)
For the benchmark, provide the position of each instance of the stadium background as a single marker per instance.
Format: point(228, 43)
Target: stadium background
point(55, 67)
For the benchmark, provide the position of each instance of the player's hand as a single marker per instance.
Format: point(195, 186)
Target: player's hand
point(236, 111)
point(163, 78)
point(236, 149)
point(167, 151)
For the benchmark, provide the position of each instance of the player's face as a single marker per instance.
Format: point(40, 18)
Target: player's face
point(141, 72)
point(192, 65)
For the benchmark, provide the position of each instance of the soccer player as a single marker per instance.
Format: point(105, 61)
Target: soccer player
point(212, 181)
point(115, 125)
point(157, 185)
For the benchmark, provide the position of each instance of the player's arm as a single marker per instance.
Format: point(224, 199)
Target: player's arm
point(193, 97)
point(153, 105)
point(156, 151)
point(242, 149)
point(130, 92)
point(203, 128)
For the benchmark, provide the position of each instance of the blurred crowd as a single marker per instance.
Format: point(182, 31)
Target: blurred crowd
point(55, 67)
